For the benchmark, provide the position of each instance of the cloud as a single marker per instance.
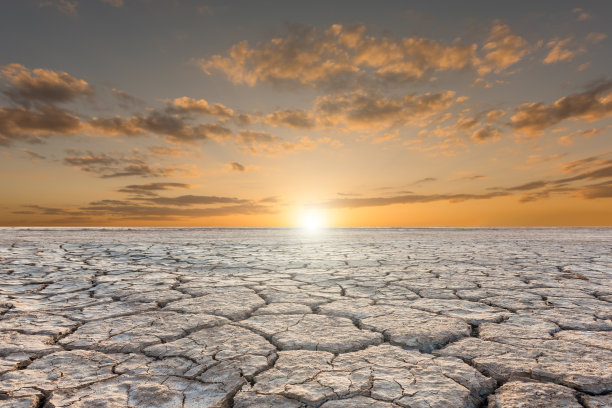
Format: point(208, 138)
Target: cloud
point(502, 49)
point(167, 151)
point(582, 15)
point(191, 200)
point(124, 210)
point(42, 85)
point(263, 143)
point(470, 178)
point(113, 166)
point(486, 134)
point(235, 166)
point(68, 7)
point(116, 126)
point(174, 122)
point(583, 164)
point(527, 186)
point(595, 38)
point(405, 59)
point(603, 172)
point(173, 126)
point(346, 57)
point(568, 140)
point(535, 117)
point(601, 190)
point(361, 110)
point(408, 199)
point(32, 209)
point(424, 180)
point(305, 55)
point(21, 124)
point(185, 105)
point(131, 210)
point(584, 171)
point(559, 51)
point(151, 189)
point(292, 118)
point(583, 67)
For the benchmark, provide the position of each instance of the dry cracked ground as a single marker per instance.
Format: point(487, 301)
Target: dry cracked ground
point(419, 318)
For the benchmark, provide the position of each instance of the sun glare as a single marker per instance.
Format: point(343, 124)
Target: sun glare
point(312, 220)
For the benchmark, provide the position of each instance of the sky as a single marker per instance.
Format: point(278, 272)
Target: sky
point(269, 113)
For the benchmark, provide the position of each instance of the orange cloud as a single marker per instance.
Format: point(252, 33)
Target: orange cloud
point(559, 51)
point(189, 105)
point(502, 49)
point(343, 57)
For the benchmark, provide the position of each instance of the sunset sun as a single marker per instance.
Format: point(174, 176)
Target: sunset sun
point(312, 220)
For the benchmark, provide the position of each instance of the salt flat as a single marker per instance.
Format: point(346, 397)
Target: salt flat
point(282, 318)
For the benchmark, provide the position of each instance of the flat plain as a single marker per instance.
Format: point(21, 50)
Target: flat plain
point(419, 318)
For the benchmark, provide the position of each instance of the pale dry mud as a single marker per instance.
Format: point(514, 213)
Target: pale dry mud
point(376, 318)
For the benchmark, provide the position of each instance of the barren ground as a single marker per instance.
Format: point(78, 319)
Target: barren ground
point(419, 318)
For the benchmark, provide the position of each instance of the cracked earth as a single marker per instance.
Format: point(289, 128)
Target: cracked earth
point(417, 318)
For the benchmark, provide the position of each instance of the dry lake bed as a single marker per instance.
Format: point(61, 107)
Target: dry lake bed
point(419, 318)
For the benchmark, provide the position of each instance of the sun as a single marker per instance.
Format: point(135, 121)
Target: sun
point(312, 220)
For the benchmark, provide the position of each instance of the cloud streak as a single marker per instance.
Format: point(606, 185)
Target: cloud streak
point(593, 104)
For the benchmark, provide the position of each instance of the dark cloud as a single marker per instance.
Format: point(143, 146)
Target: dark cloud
point(37, 209)
point(116, 126)
point(112, 166)
point(173, 126)
point(362, 110)
point(424, 180)
point(486, 134)
point(582, 164)
point(533, 118)
point(601, 190)
point(191, 200)
point(33, 126)
point(42, 85)
point(470, 178)
point(408, 199)
point(526, 187)
point(152, 188)
point(235, 166)
point(602, 172)
point(292, 118)
point(135, 211)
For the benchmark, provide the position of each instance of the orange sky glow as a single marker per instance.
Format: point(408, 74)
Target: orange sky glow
point(249, 113)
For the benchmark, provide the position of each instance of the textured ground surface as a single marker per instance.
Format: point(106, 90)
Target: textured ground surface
point(275, 318)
